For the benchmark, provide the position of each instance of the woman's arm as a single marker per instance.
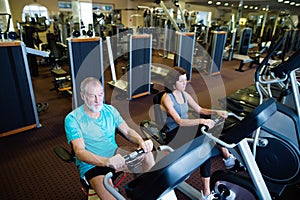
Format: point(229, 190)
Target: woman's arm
point(169, 107)
point(204, 111)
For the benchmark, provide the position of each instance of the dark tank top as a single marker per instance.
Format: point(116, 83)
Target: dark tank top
point(181, 109)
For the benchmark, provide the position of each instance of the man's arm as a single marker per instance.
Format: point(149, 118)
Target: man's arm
point(117, 162)
point(134, 137)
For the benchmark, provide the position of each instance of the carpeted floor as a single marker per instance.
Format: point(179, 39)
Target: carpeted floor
point(31, 170)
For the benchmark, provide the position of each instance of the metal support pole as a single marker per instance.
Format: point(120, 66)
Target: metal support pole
point(264, 22)
point(169, 16)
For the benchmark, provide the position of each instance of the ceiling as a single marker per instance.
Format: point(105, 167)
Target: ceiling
point(273, 5)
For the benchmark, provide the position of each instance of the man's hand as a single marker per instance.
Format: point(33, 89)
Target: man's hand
point(117, 162)
point(147, 145)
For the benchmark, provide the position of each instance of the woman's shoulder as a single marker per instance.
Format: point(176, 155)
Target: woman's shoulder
point(167, 98)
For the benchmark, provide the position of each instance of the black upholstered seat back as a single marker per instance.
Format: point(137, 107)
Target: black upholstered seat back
point(56, 52)
point(158, 113)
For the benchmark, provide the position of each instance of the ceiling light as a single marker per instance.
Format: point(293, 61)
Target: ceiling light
point(286, 2)
point(292, 3)
point(209, 2)
point(218, 3)
point(145, 7)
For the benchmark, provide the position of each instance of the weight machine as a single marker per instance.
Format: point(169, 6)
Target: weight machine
point(137, 81)
point(18, 107)
point(86, 59)
point(5, 34)
point(215, 49)
point(184, 52)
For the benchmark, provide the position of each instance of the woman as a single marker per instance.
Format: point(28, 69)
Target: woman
point(176, 102)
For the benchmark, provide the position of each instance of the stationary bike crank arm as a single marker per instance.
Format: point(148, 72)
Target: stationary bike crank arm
point(134, 154)
point(231, 114)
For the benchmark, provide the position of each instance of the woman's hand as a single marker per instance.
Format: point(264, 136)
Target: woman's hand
point(208, 122)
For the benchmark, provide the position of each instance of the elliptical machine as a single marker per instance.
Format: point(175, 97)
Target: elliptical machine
point(277, 157)
point(276, 144)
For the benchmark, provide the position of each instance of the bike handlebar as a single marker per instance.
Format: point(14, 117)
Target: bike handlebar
point(134, 154)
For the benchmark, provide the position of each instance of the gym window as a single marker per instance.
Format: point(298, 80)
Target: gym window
point(34, 10)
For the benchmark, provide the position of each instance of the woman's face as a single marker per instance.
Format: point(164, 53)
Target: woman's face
point(181, 82)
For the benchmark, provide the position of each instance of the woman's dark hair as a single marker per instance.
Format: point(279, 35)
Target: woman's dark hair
point(172, 77)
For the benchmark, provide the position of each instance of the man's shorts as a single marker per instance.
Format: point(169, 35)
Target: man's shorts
point(96, 171)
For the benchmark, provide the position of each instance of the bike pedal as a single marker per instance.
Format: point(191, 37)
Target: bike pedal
point(238, 167)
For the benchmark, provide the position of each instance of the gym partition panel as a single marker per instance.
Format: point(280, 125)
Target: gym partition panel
point(140, 59)
point(86, 59)
point(215, 49)
point(245, 41)
point(17, 104)
point(184, 54)
point(232, 44)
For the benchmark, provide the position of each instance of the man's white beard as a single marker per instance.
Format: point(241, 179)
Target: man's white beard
point(91, 107)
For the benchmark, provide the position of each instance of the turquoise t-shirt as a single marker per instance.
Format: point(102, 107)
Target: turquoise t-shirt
point(98, 134)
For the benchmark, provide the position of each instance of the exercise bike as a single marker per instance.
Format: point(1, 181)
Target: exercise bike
point(131, 159)
point(270, 144)
point(173, 169)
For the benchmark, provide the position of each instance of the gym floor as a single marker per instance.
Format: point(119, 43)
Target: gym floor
point(31, 170)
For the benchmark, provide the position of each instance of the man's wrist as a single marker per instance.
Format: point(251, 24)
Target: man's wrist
point(141, 141)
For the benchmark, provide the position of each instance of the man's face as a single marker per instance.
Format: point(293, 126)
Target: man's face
point(93, 97)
